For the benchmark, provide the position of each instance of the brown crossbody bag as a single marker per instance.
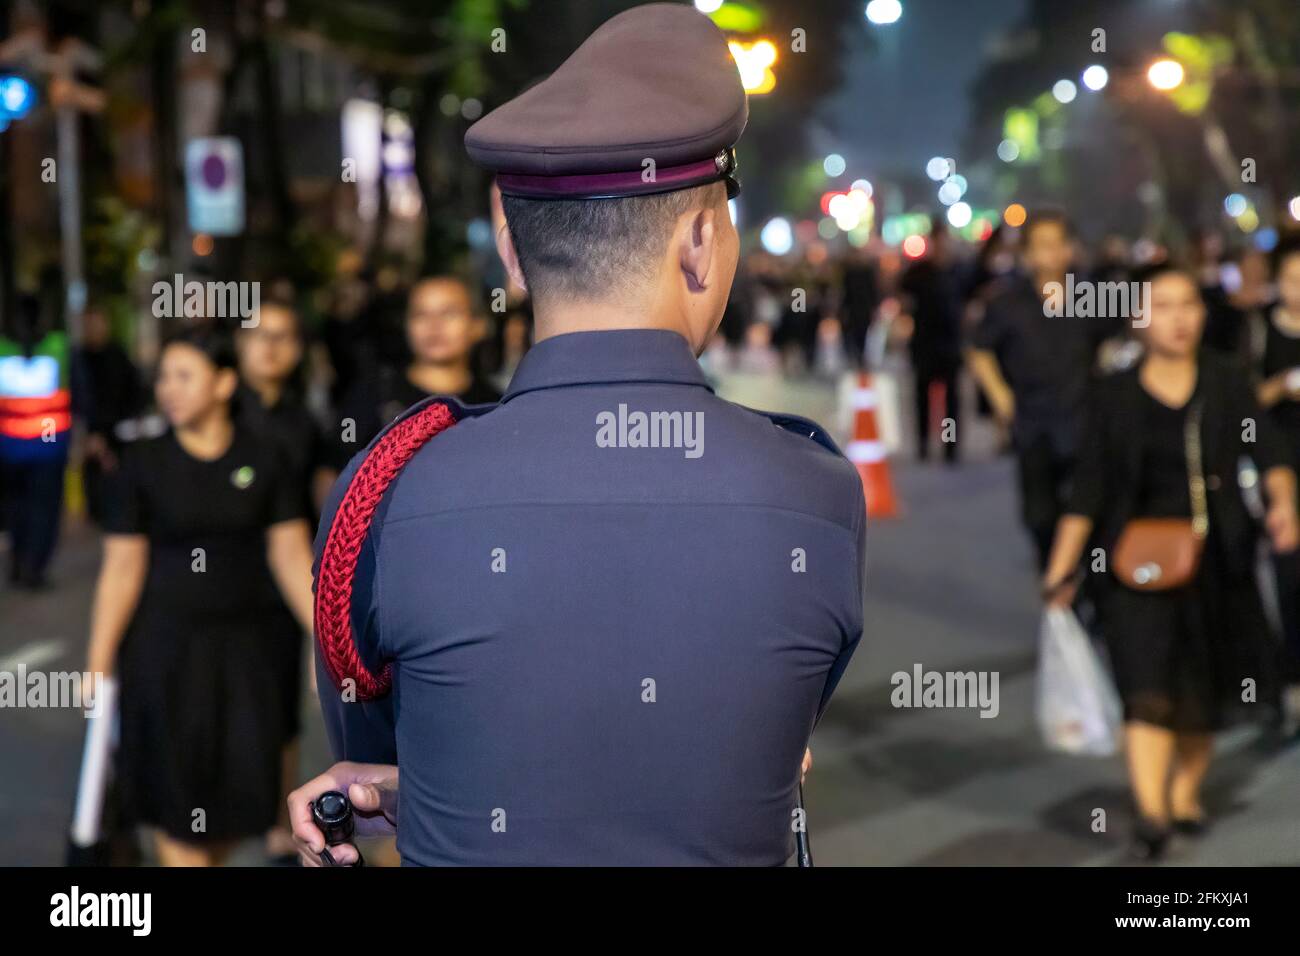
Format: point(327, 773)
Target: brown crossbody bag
point(1159, 554)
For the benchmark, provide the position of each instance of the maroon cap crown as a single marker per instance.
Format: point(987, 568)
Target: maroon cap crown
point(651, 102)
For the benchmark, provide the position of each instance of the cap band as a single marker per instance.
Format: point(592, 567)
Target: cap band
point(614, 185)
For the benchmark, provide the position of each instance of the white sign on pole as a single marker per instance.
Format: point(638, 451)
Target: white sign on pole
point(214, 185)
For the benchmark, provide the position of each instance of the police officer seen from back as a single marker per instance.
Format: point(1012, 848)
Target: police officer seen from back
point(598, 620)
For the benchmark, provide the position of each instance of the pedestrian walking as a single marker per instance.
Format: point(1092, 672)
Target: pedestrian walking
point(205, 537)
point(1156, 497)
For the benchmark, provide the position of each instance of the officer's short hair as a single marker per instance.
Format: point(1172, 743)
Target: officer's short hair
point(586, 248)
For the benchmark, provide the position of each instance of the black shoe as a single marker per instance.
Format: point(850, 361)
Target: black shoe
point(1149, 841)
point(1190, 826)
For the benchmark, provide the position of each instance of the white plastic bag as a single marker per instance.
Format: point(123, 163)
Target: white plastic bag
point(1078, 709)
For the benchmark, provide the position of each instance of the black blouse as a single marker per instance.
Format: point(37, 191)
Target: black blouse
point(1164, 491)
point(206, 521)
point(1123, 432)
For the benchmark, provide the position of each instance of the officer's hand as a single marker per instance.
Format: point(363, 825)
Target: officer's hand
point(372, 789)
point(807, 764)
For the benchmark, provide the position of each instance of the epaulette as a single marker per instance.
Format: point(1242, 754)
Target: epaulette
point(802, 426)
point(381, 463)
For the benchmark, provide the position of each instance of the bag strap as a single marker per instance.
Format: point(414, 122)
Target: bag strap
point(1195, 471)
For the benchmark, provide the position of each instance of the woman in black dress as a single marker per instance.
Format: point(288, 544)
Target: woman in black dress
point(1184, 658)
point(205, 527)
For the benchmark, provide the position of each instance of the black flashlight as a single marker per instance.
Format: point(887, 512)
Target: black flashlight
point(332, 812)
point(802, 846)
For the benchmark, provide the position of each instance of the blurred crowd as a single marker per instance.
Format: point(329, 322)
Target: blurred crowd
point(237, 433)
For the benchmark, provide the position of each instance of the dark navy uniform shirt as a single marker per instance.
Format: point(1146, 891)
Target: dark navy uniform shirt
point(605, 652)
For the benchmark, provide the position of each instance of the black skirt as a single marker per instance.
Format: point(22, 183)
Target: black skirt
point(1192, 659)
point(202, 723)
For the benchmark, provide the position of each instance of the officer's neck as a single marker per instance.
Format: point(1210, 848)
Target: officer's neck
point(561, 318)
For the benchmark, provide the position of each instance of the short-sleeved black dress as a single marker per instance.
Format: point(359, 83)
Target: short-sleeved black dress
point(1179, 656)
point(201, 714)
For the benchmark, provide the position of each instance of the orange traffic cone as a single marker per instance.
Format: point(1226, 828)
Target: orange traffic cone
point(867, 452)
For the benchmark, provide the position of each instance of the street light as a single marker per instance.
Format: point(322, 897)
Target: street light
point(1065, 91)
point(777, 236)
point(1165, 74)
point(938, 168)
point(16, 97)
point(1095, 77)
point(755, 60)
point(884, 12)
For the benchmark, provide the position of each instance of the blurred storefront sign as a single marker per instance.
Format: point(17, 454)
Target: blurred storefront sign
point(214, 185)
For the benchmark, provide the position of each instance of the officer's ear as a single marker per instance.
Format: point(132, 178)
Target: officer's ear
point(509, 257)
point(697, 244)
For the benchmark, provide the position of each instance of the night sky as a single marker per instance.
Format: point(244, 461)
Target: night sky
point(908, 101)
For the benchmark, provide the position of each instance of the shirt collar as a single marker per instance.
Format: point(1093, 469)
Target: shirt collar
point(606, 358)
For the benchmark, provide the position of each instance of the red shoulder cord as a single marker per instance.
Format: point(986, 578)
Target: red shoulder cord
point(347, 534)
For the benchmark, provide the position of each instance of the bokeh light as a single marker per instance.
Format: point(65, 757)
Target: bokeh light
point(1014, 215)
point(755, 61)
point(16, 96)
point(1165, 74)
point(1065, 91)
point(777, 236)
point(938, 168)
point(1095, 77)
point(884, 12)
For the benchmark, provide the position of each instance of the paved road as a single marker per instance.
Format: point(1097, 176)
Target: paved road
point(950, 587)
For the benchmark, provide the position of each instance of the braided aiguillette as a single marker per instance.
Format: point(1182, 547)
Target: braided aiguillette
point(347, 535)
